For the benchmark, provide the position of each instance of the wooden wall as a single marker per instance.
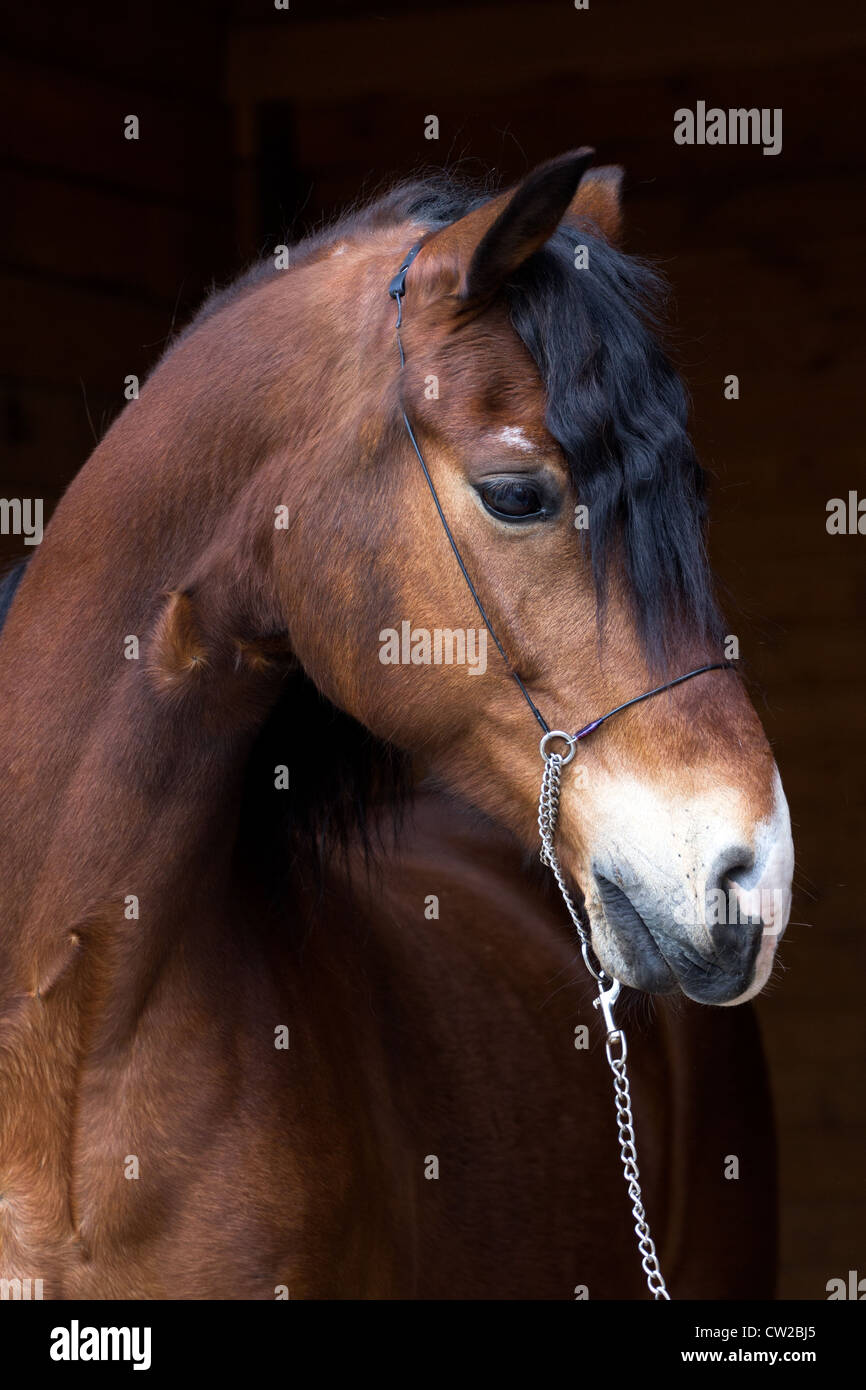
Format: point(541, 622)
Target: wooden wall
point(257, 119)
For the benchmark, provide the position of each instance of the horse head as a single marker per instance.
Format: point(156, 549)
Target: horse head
point(554, 434)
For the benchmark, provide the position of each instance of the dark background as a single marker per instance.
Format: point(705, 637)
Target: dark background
point(256, 121)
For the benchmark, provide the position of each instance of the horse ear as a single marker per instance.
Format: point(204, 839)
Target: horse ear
point(598, 200)
point(493, 240)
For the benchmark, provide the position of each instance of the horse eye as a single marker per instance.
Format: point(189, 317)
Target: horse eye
point(513, 499)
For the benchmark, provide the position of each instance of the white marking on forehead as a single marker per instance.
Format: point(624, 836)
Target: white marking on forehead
point(338, 250)
point(514, 436)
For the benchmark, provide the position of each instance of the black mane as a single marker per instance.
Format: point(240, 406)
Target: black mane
point(619, 412)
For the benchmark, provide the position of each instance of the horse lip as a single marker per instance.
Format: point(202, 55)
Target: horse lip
point(661, 963)
point(646, 961)
point(704, 980)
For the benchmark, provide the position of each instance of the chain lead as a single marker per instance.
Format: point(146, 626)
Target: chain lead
point(608, 993)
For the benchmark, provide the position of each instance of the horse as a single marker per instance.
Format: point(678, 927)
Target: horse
point(288, 1005)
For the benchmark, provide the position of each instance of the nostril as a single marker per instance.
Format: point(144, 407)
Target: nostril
point(735, 866)
point(733, 916)
point(729, 893)
point(741, 874)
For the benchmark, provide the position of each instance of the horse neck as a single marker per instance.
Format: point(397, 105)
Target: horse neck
point(121, 783)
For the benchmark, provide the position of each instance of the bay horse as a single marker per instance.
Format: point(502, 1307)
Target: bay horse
point(288, 1007)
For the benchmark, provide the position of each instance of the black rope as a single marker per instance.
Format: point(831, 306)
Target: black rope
point(396, 290)
point(473, 591)
point(713, 666)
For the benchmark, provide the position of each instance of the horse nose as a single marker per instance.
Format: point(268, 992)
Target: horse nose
point(694, 895)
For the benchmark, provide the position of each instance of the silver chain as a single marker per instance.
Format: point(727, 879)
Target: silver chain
point(608, 993)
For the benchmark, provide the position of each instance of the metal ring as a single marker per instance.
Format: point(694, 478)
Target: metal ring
point(611, 1041)
point(559, 733)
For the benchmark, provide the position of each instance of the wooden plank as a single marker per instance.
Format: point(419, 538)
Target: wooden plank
point(121, 242)
point(53, 434)
point(162, 46)
point(292, 58)
point(75, 125)
point(59, 333)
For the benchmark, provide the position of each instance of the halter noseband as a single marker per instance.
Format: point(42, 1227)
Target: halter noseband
point(397, 290)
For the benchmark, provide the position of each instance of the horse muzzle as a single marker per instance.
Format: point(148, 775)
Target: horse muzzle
point(662, 919)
